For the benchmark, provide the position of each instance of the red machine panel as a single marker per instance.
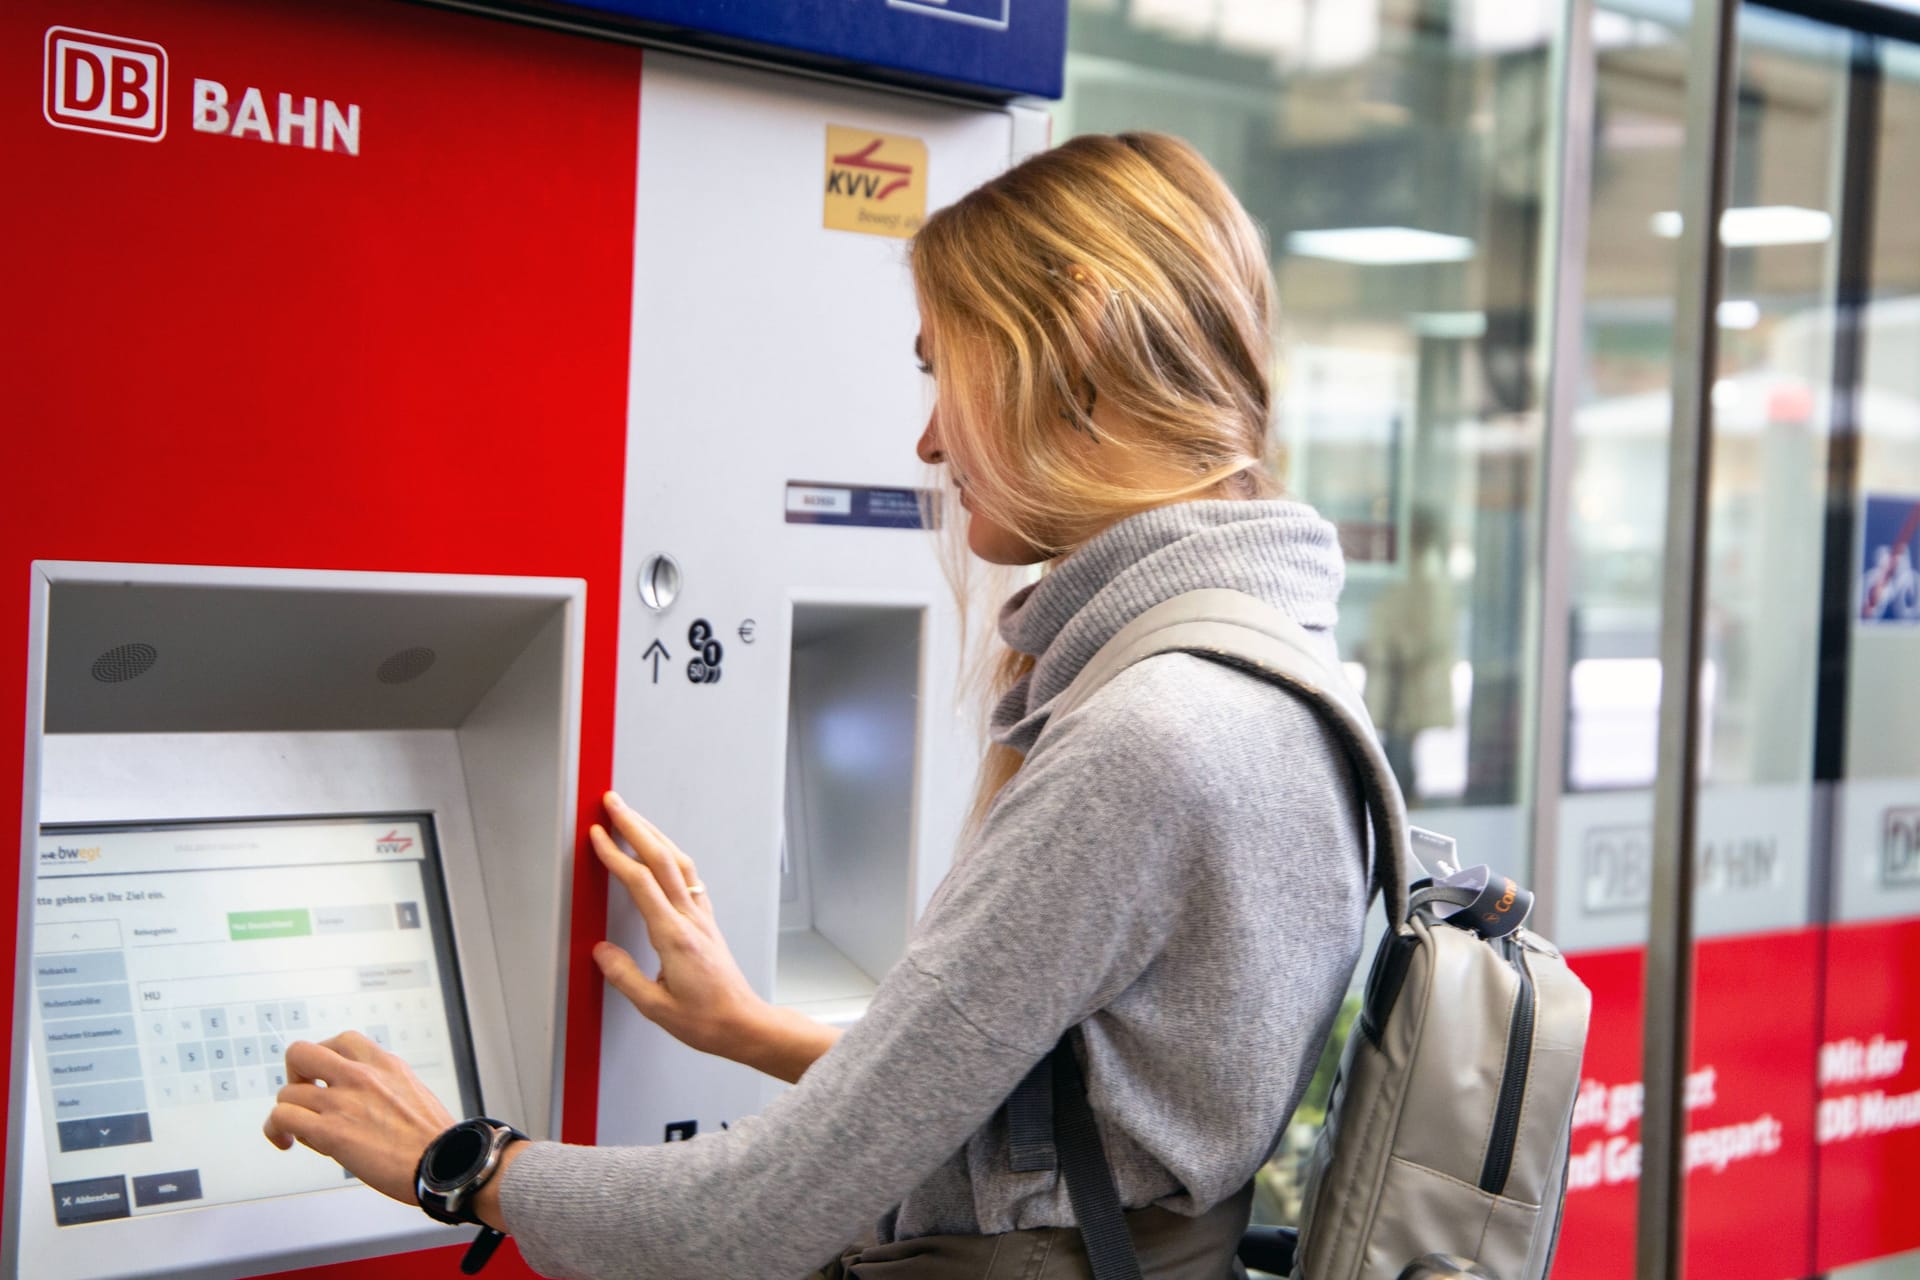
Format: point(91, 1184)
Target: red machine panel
point(339, 285)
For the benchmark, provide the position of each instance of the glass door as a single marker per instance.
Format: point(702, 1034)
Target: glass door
point(1803, 1102)
point(1802, 1098)
point(1867, 762)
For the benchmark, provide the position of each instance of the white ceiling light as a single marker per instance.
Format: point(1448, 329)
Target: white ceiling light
point(1448, 324)
point(1758, 225)
point(1738, 313)
point(1178, 18)
point(1261, 26)
point(1380, 246)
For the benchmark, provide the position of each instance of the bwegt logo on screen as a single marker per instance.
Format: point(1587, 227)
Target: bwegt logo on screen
point(99, 83)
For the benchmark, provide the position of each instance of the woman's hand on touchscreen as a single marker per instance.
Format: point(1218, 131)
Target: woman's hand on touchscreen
point(700, 996)
point(351, 1100)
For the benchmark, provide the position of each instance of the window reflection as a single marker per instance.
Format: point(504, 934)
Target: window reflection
point(1395, 153)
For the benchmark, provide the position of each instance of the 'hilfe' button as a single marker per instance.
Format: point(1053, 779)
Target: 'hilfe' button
point(166, 1188)
point(90, 1200)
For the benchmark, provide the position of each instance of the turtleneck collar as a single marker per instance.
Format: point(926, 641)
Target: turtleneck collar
point(1279, 551)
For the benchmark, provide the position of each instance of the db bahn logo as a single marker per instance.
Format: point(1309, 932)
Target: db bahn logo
point(1900, 846)
point(1618, 872)
point(1619, 869)
point(98, 83)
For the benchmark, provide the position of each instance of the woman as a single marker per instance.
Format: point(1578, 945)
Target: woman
point(1179, 870)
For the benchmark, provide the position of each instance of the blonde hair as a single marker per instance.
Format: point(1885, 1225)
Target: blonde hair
point(1113, 271)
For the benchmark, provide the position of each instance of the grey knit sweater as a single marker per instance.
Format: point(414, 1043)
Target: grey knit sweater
point(1180, 867)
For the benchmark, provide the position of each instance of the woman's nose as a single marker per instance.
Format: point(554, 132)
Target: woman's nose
point(929, 448)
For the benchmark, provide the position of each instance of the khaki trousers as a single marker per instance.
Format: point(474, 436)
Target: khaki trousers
point(1169, 1246)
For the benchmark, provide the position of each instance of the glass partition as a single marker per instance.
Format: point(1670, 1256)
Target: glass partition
point(1615, 522)
point(1397, 155)
point(1752, 1158)
point(1795, 1147)
point(1866, 1129)
point(1402, 155)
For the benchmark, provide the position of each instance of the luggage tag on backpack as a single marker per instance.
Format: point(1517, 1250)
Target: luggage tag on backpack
point(1499, 905)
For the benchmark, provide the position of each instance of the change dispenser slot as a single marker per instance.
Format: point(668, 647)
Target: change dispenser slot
point(853, 732)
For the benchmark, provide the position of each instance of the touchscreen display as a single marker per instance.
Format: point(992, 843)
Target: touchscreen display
point(172, 963)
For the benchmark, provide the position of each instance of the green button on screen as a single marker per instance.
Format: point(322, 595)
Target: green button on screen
point(293, 923)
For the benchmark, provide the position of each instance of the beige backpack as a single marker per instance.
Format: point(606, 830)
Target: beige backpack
point(1449, 1126)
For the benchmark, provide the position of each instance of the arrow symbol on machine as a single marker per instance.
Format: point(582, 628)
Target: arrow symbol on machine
point(656, 651)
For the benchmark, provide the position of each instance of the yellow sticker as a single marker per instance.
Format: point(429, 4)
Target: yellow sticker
point(876, 182)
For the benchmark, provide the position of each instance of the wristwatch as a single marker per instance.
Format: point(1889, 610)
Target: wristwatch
point(452, 1169)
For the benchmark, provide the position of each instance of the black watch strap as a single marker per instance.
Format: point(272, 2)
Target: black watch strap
point(480, 1252)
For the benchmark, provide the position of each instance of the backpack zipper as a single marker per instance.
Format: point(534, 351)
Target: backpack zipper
point(1513, 1078)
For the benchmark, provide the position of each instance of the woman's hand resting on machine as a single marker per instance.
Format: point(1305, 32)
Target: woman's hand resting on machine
point(700, 996)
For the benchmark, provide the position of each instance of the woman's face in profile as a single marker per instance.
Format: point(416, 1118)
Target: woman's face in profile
point(992, 542)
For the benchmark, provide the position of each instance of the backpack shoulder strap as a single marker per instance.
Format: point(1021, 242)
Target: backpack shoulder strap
point(1051, 1123)
point(1240, 631)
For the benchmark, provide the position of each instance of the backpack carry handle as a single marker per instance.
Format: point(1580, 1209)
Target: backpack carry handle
point(1241, 631)
point(1490, 905)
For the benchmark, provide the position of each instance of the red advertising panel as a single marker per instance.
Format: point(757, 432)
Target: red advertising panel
point(1750, 1139)
point(1869, 1112)
point(1749, 1145)
point(340, 285)
point(1603, 1168)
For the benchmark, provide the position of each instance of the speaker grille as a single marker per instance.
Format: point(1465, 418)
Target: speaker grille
point(124, 662)
point(408, 664)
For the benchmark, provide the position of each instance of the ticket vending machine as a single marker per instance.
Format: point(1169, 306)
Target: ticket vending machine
point(425, 422)
point(278, 805)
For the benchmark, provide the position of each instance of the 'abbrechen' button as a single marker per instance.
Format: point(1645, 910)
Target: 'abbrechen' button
point(90, 1200)
point(166, 1188)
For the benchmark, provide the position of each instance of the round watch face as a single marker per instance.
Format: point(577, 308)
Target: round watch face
point(457, 1155)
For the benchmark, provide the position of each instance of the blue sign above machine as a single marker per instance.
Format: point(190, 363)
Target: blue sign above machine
point(984, 48)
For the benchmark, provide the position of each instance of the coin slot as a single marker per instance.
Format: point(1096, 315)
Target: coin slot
point(659, 582)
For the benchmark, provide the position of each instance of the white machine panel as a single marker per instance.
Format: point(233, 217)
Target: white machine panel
point(820, 778)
